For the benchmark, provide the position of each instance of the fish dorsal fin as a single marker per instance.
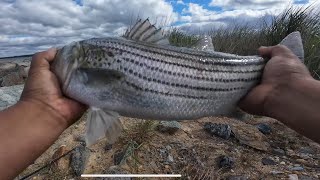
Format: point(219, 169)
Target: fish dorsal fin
point(204, 44)
point(294, 42)
point(144, 31)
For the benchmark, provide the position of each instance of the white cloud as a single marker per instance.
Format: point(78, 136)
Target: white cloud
point(249, 4)
point(29, 25)
point(180, 2)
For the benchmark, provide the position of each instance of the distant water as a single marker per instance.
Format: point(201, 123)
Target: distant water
point(16, 58)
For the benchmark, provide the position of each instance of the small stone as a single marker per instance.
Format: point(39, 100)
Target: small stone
point(279, 152)
point(296, 168)
point(80, 138)
point(267, 161)
point(168, 126)
point(264, 128)
point(62, 163)
point(118, 157)
point(276, 172)
point(170, 159)
point(79, 158)
point(225, 162)
point(282, 163)
point(306, 150)
point(108, 147)
point(220, 130)
point(306, 177)
point(167, 167)
point(168, 147)
point(237, 178)
point(302, 161)
point(293, 177)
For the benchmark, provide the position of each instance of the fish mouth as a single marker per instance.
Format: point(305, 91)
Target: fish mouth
point(68, 60)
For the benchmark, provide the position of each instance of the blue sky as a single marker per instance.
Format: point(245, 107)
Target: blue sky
point(29, 26)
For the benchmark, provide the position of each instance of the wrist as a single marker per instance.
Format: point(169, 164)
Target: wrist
point(44, 111)
point(286, 96)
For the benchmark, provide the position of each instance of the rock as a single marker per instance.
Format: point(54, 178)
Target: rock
point(23, 71)
point(9, 95)
point(220, 130)
point(306, 150)
point(304, 177)
point(237, 178)
point(241, 115)
point(170, 158)
point(108, 147)
point(279, 152)
point(302, 161)
point(264, 128)
point(115, 170)
point(79, 159)
point(168, 126)
point(63, 163)
point(267, 161)
point(118, 157)
point(250, 136)
point(12, 79)
point(80, 138)
point(296, 168)
point(6, 68)
point(225, 162)
point(276, 172)
point(293, 177)
point(283, 163)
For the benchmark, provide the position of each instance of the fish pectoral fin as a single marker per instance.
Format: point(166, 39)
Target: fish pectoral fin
point(204, 44)
point(100, 124)
point(99, 76)
point(294, 42)
point(144, 31)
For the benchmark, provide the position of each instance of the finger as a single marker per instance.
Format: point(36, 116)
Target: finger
point(42, 59)
point(265, 51)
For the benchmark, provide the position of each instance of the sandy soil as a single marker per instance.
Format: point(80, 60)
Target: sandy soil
point(194, 152)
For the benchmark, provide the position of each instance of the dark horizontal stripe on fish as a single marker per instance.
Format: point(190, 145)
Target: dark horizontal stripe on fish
point(177, 95)
point(184, 65)
point(197, 56)
point(187, 75)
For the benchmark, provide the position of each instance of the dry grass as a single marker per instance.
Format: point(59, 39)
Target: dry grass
point(245, 39)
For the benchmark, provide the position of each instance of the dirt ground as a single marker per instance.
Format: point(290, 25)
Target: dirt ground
point(194, 152)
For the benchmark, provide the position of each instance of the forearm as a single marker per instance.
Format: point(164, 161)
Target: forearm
point(298, 106)
point(26, 131)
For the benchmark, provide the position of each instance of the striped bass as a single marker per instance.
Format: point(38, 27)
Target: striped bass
point(141, 75)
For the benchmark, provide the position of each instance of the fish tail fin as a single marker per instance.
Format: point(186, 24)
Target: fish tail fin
point(294, 42)
point(100, 124)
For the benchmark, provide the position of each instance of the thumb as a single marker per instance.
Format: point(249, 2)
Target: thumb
point(254, 101)
point(265, 52)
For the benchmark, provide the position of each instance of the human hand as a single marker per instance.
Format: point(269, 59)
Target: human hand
point(282, 71)
point(42, 88)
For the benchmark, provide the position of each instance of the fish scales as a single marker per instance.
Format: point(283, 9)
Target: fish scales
point(162, 81)
point(142, 76)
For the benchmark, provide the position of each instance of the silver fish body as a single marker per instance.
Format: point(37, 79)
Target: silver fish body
point(156, 81)
point(139, 76)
